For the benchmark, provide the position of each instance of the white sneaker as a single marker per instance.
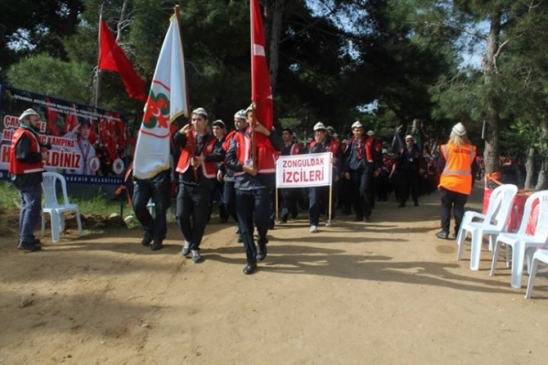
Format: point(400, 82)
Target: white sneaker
point(313, 229)
point(329, 224)
point(186, 249)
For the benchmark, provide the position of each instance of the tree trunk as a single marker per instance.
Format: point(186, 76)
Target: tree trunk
point(491, 153)
point(541, 180)
point(274, 15)
point(530, 169)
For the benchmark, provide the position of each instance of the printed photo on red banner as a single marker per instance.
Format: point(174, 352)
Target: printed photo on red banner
point(87, 144)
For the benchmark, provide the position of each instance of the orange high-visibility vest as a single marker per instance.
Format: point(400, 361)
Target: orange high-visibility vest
point(457, 174)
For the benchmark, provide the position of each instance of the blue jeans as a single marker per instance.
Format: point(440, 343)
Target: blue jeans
point(31, 207)
point(252, 205)
point(159, 189)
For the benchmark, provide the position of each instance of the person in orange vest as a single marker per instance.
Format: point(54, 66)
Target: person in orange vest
point(455, 165)
point(197, 169)
point(26, 166)
point(253, 181)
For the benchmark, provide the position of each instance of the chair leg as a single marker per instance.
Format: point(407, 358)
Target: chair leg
point(532, 278)
point(508, 256)
point(461, 238)
point(54, 227)
point(475, 250)
point(496, 251)
point(518, 256)
point(43, 230)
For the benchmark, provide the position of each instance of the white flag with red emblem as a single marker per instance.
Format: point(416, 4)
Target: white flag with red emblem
point(166, 101)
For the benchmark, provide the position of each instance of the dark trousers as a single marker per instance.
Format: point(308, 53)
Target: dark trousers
point(158, 189)
point(193, 208)
point(452, 200)
point(410, 185)
point(223, 210)
point(271, 186)
point(229, 199)
point(382, 186)
point(290, 198)
point(252, 205)
point(362, 187)
point(345, 195)
point(29, 215)
point(318, 202)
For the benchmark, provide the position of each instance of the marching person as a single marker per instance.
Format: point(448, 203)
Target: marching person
point(456, 164)
point(158, 190)
point(197, 169)
point(253, 180)
point(363, 163)
point(26, 165)
point(318, 197)
point(411, 165)
point(218, 128)
point(227, 175)
point(290, 197)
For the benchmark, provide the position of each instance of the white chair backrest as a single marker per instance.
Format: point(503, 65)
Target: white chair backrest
point(495, 201)
point(501, 216)
point(49, 186)
point(541, 216)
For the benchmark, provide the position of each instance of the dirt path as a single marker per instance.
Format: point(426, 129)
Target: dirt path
point(386, 292)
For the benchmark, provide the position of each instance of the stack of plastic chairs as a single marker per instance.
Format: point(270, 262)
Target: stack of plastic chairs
point(523, 243)
point(491, 224)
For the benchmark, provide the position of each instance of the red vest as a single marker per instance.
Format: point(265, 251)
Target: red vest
point(369, 146)
point(266, 160)
point(17, 167)
point(295, 149)
point(333, 147)
point(209, 169)
point(228, 139)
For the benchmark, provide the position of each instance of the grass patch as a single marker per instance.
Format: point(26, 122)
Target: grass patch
point(95, 209)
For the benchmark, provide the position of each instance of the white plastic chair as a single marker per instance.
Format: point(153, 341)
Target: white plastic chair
point(54, 208)
point(539, 256)
point(494, 222)
point(520, 242)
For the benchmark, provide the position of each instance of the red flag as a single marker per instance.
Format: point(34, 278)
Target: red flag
point(112, 58)
point(261, 92)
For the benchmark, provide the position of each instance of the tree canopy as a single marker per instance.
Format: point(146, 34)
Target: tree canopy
point(387, 63)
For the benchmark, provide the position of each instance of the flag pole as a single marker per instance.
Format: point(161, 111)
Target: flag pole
point(178, 17)
point(190, 136)
point(97, 71)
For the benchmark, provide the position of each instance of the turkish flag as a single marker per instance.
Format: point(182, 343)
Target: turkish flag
point(261, 92)
point(112, 58)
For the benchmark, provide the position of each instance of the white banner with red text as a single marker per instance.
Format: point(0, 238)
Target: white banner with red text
point(301, 171)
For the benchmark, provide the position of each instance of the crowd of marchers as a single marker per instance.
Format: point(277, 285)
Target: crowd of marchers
point(237, 170)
